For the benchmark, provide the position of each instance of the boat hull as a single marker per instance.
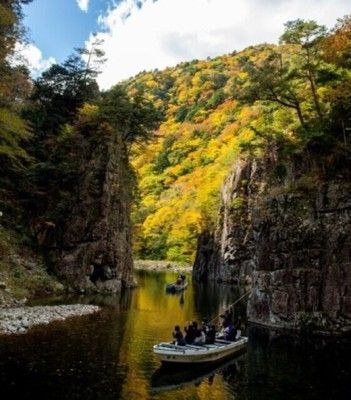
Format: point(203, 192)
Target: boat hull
point(189, 354)
point(174, 288)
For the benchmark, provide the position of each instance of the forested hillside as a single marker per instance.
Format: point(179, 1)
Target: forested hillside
point(181, 171)
point(268, 101)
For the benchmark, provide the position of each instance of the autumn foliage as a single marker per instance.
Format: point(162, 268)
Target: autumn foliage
point(182, 127)
point(267, 99)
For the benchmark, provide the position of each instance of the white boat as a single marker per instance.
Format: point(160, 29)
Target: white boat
point(176, 287)
point(192, 354)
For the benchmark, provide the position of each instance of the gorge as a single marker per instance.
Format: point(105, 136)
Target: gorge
point(291, 239)
point(92, 179)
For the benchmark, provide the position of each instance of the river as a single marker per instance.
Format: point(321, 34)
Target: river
point(108, 355)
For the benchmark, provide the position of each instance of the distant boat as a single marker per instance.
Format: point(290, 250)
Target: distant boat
point(176, 287)
point(169, 353)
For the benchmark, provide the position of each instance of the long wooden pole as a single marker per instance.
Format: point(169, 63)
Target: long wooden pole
point(233, 304)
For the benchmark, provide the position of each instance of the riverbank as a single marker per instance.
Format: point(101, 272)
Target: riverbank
point(158, 265)
point(24, 277)
point(18, 320)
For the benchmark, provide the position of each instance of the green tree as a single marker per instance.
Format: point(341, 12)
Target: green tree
point(290, 75)
point(307, 35)
point(269, 79)
point(58, 94)
point(52, 111)
point(336, 49)
point(11, 29)
point(93, 56)
point(133, 117)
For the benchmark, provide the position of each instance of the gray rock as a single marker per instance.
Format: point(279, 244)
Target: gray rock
point(293, 239)
point(20, 319)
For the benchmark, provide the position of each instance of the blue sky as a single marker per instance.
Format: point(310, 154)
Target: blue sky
point(58, 26)
point(147, 34)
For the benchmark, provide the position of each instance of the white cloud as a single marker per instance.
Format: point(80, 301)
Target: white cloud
point(165, 32)
point(83, 5)
point(31, 56)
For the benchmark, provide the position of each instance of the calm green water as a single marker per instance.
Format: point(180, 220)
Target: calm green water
point(109, 355)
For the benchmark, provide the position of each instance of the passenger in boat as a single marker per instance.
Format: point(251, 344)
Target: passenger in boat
point(211, 335)
point(200, 337)
point(178, 336)
point(238, 327)
point(205, 326)
point(190, 332)
point(227, 318)
point(181, 279)
point(230, 332)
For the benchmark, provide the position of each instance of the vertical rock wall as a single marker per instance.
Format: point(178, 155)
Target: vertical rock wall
point(293, 240)
point(95, 248)
point(226, 254)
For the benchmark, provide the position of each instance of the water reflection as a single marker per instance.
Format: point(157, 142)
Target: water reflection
point(168, 378)
point(293, 368)
point(109, 355)
point(211, 299)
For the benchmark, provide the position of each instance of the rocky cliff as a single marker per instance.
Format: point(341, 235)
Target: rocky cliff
point(96, 248)
point(90, 246)
point(290, 238)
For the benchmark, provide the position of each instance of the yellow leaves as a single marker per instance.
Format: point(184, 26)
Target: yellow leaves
point(229, 132)
point(149, 182)
point(199, 161)
point(182, 94)
point(196, 80)
point(174, 171)
point(246, 135)
point(159, 221)
point(88, 111)
point(182, 171)
point(12, 125)
point(247, 114)
point(223, 114)
point(205, 130)
point(242, 75)
point(142, 157)
point(218, 118)
point(183, 235)
point(169, 126)
point(148, 204)
point(86, 119)
point(185, 226)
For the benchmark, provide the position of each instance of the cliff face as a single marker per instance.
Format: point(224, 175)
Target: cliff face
point(96, 243)
point(226, 254)
point(291, 240)
point(90, 246)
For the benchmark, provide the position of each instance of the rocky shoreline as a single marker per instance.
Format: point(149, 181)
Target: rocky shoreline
point(159, 265)
point(18, 320)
